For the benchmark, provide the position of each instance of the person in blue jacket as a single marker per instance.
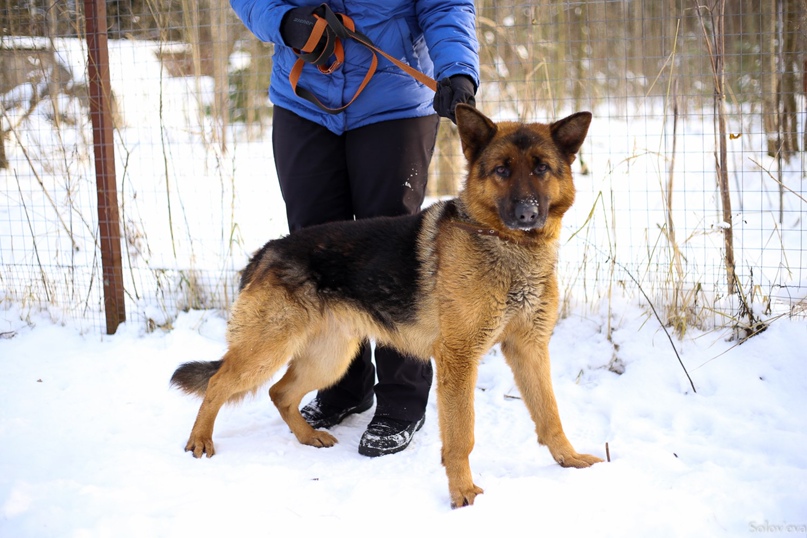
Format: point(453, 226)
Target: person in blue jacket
point(369, 160)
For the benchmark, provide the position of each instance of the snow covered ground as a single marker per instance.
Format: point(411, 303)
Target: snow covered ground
point(91, 436)
point(91, 443)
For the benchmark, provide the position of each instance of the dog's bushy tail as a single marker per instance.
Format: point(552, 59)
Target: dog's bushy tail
point(192, 377)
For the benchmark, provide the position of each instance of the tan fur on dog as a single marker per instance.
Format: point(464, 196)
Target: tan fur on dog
point(446, 284)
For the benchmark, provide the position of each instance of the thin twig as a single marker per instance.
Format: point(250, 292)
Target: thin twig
point(166, 170)
point(39, 180)
point(800, 197)
point(661, 323)
point(743, 340)
point(33, 237)
point(655, 313)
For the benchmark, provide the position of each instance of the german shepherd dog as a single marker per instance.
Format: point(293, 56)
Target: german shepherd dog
point(447, 283)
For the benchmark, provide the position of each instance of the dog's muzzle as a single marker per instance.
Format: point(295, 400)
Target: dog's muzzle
point(528, 214)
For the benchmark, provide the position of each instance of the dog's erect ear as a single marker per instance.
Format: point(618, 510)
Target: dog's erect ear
point(476, 130)
point(570, 132)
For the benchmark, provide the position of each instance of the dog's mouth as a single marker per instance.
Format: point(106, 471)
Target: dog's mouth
point(526, 215)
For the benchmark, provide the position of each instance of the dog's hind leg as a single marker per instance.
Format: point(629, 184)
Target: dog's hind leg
point(267, 327)
point(201, 438)
point(260, 342)
point(241, 372)
point(322, 362)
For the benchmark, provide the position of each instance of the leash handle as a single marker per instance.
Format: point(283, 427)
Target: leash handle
point(342, 27)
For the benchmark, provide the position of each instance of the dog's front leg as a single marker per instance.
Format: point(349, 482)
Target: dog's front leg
point(527, 353)
point(456, 379)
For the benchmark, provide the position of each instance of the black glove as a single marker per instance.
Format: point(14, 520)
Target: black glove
point(295, 29)
point(452, 91)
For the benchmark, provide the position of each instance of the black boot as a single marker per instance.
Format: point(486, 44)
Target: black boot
point(323, 415)
point(387, 435)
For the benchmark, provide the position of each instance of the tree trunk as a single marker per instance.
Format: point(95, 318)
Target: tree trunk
point(716, 47)
point(768, 74)
point(449, 165)
point(789, 84)
point(3, 158)
point(220, 53)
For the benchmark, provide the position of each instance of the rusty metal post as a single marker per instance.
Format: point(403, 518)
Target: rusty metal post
point(106, 184)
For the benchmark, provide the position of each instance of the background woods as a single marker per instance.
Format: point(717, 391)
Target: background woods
point(691, 184)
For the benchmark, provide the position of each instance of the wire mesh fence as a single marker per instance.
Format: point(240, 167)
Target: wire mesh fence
point(690, 184)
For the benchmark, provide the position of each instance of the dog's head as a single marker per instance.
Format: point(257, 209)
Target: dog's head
point(519, 175)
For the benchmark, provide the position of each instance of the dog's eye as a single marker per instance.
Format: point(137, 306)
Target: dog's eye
point(540, 169)
point(502, 171)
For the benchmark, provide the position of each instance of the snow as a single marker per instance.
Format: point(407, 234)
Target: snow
point(91, 442)
point(92, 437)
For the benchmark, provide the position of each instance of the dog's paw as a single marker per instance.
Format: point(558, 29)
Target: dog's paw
point(200, 446)
point(319, 439)
point(578, 461)
point(465, 496)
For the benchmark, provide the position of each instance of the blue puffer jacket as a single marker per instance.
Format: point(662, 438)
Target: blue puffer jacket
point(437, 37)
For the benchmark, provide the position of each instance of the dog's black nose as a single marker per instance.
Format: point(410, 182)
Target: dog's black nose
point(527, 213)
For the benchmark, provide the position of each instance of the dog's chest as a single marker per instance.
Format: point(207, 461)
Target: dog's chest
point(525, 279)
point(525, 291)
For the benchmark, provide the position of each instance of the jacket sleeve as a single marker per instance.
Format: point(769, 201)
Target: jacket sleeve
point(262, 17)
point(449, 28)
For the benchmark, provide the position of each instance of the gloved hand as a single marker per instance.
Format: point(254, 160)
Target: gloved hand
point(452, 91)
point(295, 29)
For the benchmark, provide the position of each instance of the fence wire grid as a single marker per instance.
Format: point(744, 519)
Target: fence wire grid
point(691, 183)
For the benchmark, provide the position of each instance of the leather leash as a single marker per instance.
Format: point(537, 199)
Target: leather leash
point(342, 27)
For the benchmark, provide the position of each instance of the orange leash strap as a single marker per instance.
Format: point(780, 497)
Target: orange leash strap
point(343, 27)
point(424, 79)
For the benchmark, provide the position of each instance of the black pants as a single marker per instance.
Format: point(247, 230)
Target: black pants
point(376, 170)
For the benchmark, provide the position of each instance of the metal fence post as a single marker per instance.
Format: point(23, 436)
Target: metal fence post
point(106, 184)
